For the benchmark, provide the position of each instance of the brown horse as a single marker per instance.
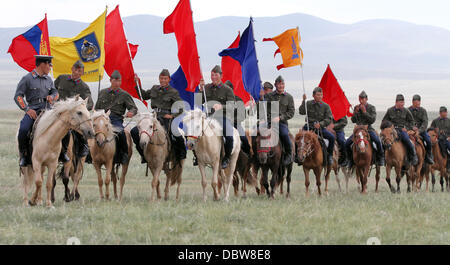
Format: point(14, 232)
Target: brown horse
point(156, 145)
point(439, 161)
point(102, 150)
point(309, 152)
point(50, 129)
point(416, 170)
point(363, 156)
point(395, 153)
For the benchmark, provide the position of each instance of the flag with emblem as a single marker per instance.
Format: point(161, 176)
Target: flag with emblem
point(87, 46)
point(288, 44)
point(35, 41)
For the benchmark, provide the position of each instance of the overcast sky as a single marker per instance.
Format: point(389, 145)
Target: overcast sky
point(19, 13)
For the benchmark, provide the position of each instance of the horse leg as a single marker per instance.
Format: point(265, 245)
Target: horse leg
point(364, 175)
point(204, 183)
point(228, 179)
point(388, 177)
point(442, 180)
point(377, 178)
point(50, 176)
point(318, 172)
point(433, 181)
point(53, 188)
point(214, 181)
point(398, 179)
point(109, 171)
point(114, 181)
point(306, 172)
point(99, 179)
point(122, 179)
point(27, 181)
point(288, 180)
point(155, 182)
point(336, 173)
point(67, 197)
point(38, 183)
point(76, 179)
point(327, 178)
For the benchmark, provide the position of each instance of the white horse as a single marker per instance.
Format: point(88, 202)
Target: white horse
point(50, 129)
point(204, 135)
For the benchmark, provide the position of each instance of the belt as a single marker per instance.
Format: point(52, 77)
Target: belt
point(38, 100)
point(163, 110)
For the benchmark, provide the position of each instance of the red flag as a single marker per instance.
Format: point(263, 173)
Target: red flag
point(232, 71)
point(117, 53)
point(133, 49)
point(334, 96)
point(180, 22)
point(33, 42)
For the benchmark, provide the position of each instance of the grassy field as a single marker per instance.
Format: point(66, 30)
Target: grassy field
point(415, 218)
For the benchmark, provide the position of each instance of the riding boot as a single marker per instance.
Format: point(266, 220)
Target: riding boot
point(228, 149)
point(84, 147)
point(413, 156)
point(380, 159)
point(287, 155)
point(342, 157)
point(180, 148)
point(296, 159)
point(194, 159)
point(63, 157)
point(245, 146)
point(349, 160)
point(23, 162)
point(123, 147)
point(429, 156)
point(448, 163)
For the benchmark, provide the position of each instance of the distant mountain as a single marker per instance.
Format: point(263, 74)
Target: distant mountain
point(372, 49)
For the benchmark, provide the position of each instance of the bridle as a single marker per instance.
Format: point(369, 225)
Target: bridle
point(70, 125)
point(309, 147)
point(267, 150)
point(197, 138)
point(97, 132)
point(360, 139)
point(150, 135)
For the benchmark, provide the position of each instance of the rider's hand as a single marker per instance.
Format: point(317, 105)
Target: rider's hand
point(201, 85)
point(276, 120)
point(448, 138)
point(168, 116)
point(404, 129)
point(363, 108)
point(415, 128)
point(32, 113)
point(304, 97)
point(331, 125)
point(217, 107)
point(130, 114)
point(50, 99)
point(317, 125)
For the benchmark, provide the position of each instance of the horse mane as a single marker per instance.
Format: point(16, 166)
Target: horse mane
point(385, 124)
point(111, 129)
point(311, 134)
point(50, 116)
point(198, 113)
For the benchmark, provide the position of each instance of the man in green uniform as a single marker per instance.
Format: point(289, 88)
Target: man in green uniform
point(69, 86)
point(319, 117)
point(365, 114)
point(403, 121)
point(443, 124)
point(117, 101)
point(162, 97)
point(286, 112)
point(218, 94)
point(421, 124)
point(338, 126)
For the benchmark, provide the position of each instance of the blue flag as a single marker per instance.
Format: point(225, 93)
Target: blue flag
point(179, 82)
point(245, 54)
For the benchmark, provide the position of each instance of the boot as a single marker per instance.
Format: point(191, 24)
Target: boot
point(429, 158)
point(63, 157)
point(123, 148)
point(23, 159)
point(380, 159)
point(194, 159)
point(23, 151)
point(225, 162)
point(448, 163)
point(88, 158)
point(228, 149)
point(342, 158)
point(414, 159)
point(330, 160)
point(296, 159)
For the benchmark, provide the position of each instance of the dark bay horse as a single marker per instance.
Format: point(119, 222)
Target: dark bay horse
point(439, 161)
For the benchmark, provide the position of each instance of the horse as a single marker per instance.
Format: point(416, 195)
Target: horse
point(102, 149)
point(52, 126)
point(395, 153)
point(310, 154)
point(439, 161)
point(269, 153)
point(155, 142)
point(363, 157)
point(416, 170)
point(204, 135)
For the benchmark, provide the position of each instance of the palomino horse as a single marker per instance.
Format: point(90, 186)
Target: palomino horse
point(395, 153)
point(49, 131)
point(156, 145)
point(416, 170)
point(102, 150)
point(72, 169)
point(269, 153)
point(204, 135)
point(439, 161)
point(310, 154)
point(363, 157)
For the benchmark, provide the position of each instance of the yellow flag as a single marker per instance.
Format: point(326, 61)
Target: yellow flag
point(88, 46)
point(288, 43)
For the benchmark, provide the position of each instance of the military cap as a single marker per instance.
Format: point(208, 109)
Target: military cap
point(43, 59)
point(279, 79)
point(217, 69)
point(399, 97)
point(267, 85)
point(164, 72)
point(228, 83)
point(443, 109)
point(363, 94)
point(416, 97)
point(78, 64)
point(116, 75)
point(317, 89)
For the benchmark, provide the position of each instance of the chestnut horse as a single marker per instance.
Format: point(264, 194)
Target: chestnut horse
point(439, 161)
point(416, 170)
point(363, 154)
point(395, 153)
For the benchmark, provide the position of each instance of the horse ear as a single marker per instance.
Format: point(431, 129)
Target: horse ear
point(77, 97)
point(108, 113)
point(366, 127)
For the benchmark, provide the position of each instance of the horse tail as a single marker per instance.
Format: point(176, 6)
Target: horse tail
point(175, 174)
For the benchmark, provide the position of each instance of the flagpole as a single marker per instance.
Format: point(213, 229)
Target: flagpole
point(303, 80)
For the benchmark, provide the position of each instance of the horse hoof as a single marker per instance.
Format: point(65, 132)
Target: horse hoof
point(30, 203)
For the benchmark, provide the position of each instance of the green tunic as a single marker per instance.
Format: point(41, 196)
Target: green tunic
point(317, 112)
point(442, 124)
point(118, 101)
point(365, 118)
point(286, 105)
point(162, 99)
point(340, 124)
point(67, 88)
point(401, 118)
point(420, 118)
point(220, 93)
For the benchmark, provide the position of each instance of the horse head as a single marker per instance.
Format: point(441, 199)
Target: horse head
point(264, 145)
point(361, 138)
point(103, 130)
point(147, 126)
point(193, 127)
point(388, 134)
point(305, 144)
point(75, 113)
point(434, 135)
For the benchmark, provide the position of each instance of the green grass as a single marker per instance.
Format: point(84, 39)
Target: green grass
point(415, 218)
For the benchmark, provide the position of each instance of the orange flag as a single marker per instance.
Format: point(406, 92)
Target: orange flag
point(288, 44)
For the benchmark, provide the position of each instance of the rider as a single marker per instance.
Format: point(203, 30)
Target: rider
point(286, 112)
point(239, 116)
point(421, 123)
point(117, 101)
point(221, 93)
point(443, 123)
point(338, 126)
point(319, 117)
point(365, 114)
point(403, 121)
point(38, 89)
point(69, 86)
point(162, 97)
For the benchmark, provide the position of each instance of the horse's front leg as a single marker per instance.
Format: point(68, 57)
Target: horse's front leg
point(214, 181)
point(306, 172)
point(155, 182)
point(114, 181)
point(109, 171)
point(99, 178)
point(398, 179)
point(318, 172)
point(37, 181)
point(327, 178)
point(51, 175)
point(201, 167)
point(77, 178)
point(265, 180)
point(28, 175)
point(388, 177)
point(228, 180)
point(377, 178)
point(288, 180)
point(364, 175)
